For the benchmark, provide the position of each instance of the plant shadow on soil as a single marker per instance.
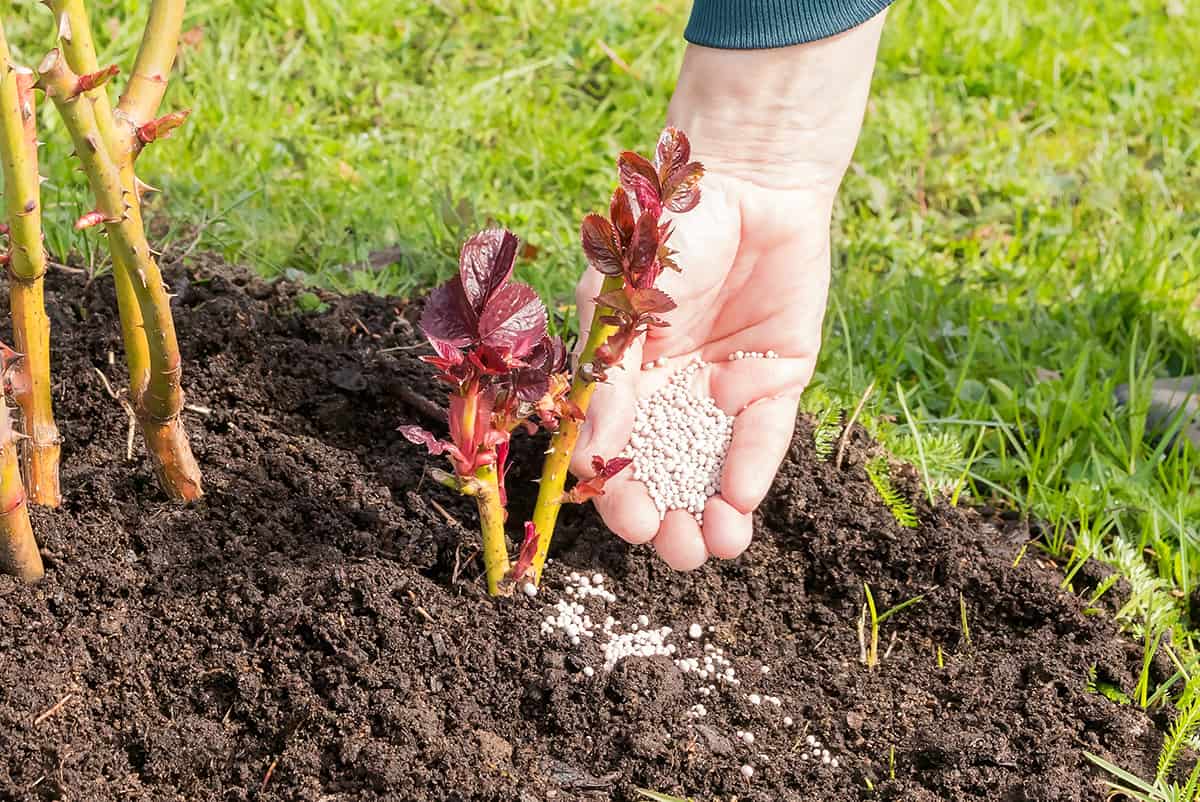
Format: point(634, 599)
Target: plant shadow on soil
point(315, 628)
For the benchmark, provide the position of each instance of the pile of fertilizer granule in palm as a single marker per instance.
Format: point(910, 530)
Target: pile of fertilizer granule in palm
point(680, 440)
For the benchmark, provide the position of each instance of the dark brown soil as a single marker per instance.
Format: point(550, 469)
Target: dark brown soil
point(315, 628)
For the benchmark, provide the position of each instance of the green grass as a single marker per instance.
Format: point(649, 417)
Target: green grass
point(1017, 236)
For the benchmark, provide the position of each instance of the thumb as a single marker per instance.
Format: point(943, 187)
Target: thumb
point(609, 420)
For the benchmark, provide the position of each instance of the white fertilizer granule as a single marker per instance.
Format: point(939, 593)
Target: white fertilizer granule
point(678, 444)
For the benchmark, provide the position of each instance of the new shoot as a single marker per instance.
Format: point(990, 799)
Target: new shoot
point(630, 249)
point(502, 370)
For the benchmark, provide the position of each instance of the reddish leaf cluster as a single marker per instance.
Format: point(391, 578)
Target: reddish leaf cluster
point(587, 489)
point(489, 335)
point(95, 80)
point(162, 127)
point(632, 241)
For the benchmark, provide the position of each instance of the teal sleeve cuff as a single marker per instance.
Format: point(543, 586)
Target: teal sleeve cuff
point(760, 24)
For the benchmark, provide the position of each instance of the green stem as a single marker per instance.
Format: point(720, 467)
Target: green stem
point(75, 39)
point(491, 526)
point(158, 402)
point(27, 266)
point(562, 445)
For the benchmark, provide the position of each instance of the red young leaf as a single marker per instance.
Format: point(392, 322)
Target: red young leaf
point(617, 300)
point(630, 164)
point(647, 195)
point(489, 361)
point(470, 431)
point(528, 550)
point(502, 464)
point(162, 127)
point(415, 434)
point(614, 348)
point(622, 216)
point(92, 80)
point(639, 178)
point(556, 354)
point(644, 248)
point(600, 245)
point(650, 301)
point(485, 264)
point(681, 189)
point(530, 384)
point(587, 489)
point(607, 470)
point(446, 352)
point(548, 358)
point(555, 404)
point(448, 319)
point(448, 361)
point(514, 320)
point(673, 152)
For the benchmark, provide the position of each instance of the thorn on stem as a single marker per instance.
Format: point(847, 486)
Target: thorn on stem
point(142, 187)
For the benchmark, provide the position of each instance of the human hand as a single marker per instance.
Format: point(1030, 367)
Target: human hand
point(755, 258)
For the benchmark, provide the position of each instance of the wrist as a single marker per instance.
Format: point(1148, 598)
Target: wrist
point(783, 118)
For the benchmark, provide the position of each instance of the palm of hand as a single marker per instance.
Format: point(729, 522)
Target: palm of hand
point(755, 279)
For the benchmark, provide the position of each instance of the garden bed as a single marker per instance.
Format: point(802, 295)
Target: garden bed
point(317, 627)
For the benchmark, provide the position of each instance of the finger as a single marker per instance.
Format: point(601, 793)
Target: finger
point(761, 437)
point(586, 291)
point(736, 385)
point(727, 531)
point(680, 543)
point(627, 509)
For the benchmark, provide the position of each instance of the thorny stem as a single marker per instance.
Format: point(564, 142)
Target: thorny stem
point(158, 401)
point(562, 445)
point(491, 525)
point(156, 54)
point(75, 39)
point(18, 549)
point(26, 267)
